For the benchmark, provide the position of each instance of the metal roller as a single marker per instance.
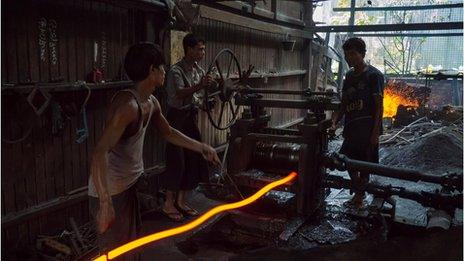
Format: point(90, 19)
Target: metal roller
point(276, 157)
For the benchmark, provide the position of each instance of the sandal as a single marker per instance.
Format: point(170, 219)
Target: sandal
point(187, 212)
point(173, 216)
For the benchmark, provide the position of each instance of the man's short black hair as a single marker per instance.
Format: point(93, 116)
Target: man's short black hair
point(140, 57)
point(356, 44)
point(190, 40)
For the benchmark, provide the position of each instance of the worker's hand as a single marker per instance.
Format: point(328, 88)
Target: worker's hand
point(210, 154)
point(331, 130)
point(105, 216)
point(206, 80)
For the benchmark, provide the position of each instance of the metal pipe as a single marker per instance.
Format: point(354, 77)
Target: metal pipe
point(346, 163)
point(275, 91)
point(288, 104)
point(306, 92)
point(436, 200)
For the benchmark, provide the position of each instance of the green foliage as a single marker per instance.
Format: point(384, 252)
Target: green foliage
point(344, 3)
point(399, 53)
point(365, 19)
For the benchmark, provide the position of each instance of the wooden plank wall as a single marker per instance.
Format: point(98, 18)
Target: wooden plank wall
point(291, 9)
point(54, 41)
point(261, 49)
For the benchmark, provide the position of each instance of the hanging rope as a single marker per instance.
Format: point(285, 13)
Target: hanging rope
point(83, 132)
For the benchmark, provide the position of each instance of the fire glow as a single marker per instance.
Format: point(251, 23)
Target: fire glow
point(189, 226)
point(395, 95)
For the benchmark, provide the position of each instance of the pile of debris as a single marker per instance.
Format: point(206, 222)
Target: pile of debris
point(407, 114)
point(78, 244)
point(430, 144)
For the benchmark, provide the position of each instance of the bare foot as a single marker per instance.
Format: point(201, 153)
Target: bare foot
point(172, 213)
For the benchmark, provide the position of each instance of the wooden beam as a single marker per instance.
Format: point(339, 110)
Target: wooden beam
point(327, 63)
point(64, 87)
point(246, 8)
point(155, 3)
point(390, 27)
point(307, 50)
point(352, 16)
point(399, 8)
point(19, 217)
point(263, 13)
point(230, 18)
point(410, 35)
point(274, 8)
point(145, 5)
point(288, 19)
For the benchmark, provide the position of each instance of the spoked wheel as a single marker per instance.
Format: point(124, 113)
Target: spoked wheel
point(227, 74)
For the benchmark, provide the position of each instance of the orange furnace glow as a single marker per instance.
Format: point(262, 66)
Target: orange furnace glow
point(189, 226)
point(392, 98)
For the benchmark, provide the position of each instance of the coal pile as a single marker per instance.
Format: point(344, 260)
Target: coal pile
point(438, 153)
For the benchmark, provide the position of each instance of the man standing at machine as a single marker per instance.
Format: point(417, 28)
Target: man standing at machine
point(362, 106)
point(117, 161)
point(184, 169)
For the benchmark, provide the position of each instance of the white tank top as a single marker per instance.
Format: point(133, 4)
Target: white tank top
point(125, 160)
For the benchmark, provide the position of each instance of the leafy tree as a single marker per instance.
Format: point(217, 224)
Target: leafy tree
point(401, 52)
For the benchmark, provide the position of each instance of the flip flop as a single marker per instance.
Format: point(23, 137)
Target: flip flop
point(173, 216)
point(187, 212)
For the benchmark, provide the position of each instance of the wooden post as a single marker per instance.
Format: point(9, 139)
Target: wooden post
point(150, 31)
point(306, 52)
point(274, 8)
point(352, 16)
point(324, 58)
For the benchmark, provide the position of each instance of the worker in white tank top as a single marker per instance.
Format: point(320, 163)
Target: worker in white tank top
point(117, 160)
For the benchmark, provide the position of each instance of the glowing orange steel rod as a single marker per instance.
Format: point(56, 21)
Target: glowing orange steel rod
point(178, 230)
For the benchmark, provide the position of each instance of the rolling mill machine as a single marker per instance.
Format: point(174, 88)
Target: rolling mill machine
point(258, 154)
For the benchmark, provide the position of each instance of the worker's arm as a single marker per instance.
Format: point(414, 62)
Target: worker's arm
point(179, 139)
point(338, 114)
point(125, 112)
point(183, 93)
point(177, 85)
point(377, 83)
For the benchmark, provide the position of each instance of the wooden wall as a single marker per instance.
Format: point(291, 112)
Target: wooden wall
point(54, 41)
